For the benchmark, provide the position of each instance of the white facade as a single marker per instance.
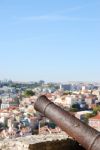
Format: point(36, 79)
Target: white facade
point(70, 101)
point(3, 106)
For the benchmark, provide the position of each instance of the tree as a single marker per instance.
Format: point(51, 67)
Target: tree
point(75, 107)
point(67, 93)
point(29, 93)
point(96, 110)
point(87, 116)
point(0, 103)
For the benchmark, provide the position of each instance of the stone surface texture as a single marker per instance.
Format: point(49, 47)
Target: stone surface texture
point(35, 142)
point(39, 142)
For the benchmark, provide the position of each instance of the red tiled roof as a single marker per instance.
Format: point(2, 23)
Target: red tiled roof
point(96, 117)
point(46, 130)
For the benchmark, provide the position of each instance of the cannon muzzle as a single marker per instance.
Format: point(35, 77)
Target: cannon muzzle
point(88, 137)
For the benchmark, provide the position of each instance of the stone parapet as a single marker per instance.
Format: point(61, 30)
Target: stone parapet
point(39, 142)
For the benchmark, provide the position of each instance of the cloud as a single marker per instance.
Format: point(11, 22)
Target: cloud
point(50, 18)
point(61, 15)
point(70, 9)
point(58, 18)
point(53, 16)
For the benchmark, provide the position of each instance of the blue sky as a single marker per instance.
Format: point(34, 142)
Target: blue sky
point(52, 40)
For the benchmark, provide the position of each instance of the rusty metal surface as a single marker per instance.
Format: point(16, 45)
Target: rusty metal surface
point(88, 137)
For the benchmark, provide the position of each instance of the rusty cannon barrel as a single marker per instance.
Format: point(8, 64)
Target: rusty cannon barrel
point(88, 137)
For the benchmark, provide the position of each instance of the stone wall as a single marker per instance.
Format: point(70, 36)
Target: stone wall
point(41, 142)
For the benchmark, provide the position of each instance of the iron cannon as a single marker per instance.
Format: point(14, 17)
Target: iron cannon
point(88, 137)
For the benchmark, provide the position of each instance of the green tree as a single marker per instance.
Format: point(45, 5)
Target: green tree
point(29, 93)
point(73, 109)
point(87, 116)
point(67, 93)
point(96, 109)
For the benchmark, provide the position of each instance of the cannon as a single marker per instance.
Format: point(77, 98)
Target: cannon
point(88, 137)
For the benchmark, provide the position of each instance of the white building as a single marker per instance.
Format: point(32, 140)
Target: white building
point(5, 105)
point(70, 100)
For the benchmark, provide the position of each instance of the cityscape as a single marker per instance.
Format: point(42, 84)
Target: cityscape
point(49, 75)
point(17, 104)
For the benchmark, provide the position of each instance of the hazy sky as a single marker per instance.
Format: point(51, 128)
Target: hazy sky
point(53, 40)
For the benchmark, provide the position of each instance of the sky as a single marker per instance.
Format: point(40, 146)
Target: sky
point(51, 40)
